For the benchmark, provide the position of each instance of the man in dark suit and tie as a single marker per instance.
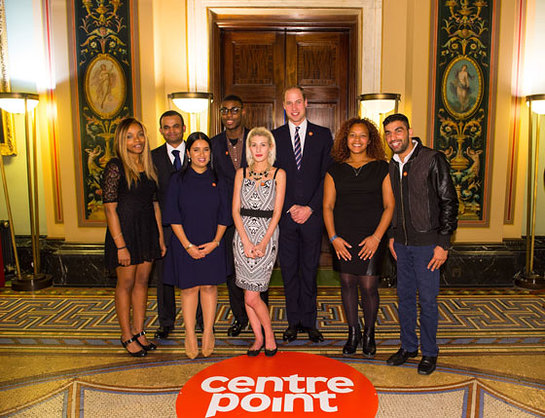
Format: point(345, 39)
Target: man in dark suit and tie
point(168, 159)
point(303, 151)
point(229, 154)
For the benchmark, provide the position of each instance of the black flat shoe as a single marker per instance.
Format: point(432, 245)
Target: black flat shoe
point(401, 357)
point(255, 353)
point(148, 347)
point(163, 331)
point(369, 344)
point(290, 334)
point(141, 353)
point(235, 329)
point(427, 365)
point(354, 338)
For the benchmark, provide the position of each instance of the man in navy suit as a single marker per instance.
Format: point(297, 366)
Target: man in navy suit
point(229, 154)
point(303, 151)
point(168, 158)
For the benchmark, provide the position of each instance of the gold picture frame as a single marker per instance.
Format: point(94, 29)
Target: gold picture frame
point(7, 138)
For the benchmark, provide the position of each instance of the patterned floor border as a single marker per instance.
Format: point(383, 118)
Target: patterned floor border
point(71, 320)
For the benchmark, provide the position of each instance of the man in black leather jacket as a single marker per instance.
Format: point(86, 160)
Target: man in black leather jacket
point(424, 220)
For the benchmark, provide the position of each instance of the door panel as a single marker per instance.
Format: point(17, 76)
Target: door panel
point(259, 65)
point(319, 62)
point(253, 69)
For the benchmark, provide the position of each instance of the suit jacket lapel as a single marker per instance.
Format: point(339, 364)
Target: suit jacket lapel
point(308, 138)
point(289, 145)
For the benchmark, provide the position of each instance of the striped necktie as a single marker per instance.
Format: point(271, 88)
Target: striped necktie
point(297, 148)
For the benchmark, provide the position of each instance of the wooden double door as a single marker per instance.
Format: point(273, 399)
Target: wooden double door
point(258, 65)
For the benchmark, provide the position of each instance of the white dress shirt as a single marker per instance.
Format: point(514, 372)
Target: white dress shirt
point(180, 148)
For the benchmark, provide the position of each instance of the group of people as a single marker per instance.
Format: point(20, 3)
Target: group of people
point(223, 209)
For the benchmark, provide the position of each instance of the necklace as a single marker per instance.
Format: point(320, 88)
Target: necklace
point(259, 176)
point(356, 170)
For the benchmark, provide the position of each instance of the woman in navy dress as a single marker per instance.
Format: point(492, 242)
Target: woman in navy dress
point(134, 237)
point(358, 208)
point(197, 208)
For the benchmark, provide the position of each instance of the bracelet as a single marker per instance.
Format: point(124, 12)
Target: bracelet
point(117, 236)
point(375, 237)
point(217, 242)
point(121, 248)
point(333, 238)
point(189, 246)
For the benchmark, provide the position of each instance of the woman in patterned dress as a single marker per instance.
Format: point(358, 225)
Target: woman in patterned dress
point(258, 197)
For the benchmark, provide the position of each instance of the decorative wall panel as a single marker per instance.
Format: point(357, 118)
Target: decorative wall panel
point(461, 114)
point(253, 64)
point(104, 78)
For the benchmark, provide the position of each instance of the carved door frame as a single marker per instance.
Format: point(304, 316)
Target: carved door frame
point(302, 22)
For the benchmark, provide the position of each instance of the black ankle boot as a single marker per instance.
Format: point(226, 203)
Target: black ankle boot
point(369, 345)
point(354, 338)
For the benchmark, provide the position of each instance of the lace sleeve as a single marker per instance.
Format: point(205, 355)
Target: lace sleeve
point(111, 180)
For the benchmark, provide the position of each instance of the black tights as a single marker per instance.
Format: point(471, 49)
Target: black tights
point(369, 297)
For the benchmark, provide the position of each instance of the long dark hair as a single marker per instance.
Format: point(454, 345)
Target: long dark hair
point(191, 139)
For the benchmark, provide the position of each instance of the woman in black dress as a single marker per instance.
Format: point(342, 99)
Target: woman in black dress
point(358, 208)
point(134, 237)
point(198, 211)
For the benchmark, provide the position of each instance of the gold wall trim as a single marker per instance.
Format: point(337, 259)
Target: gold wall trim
point(7, 140)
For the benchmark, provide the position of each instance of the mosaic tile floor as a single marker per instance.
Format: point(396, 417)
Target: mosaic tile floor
point(60, 356)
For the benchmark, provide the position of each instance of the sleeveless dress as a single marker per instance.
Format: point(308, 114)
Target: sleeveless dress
point(357, 212)
point(136, 215)
point(256, 207)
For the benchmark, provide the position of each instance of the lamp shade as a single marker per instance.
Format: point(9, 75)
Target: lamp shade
point(538, 103)
point(379, 102)
point(191, 102)
point(13, 102)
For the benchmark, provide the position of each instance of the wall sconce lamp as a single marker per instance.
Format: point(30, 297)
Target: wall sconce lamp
point(193, 103)
point(25, 103)
point(527, 278)
point(379, 103)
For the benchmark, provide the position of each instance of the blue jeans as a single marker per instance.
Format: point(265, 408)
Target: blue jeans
point(413, 276)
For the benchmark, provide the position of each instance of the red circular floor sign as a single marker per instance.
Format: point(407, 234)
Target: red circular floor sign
point(297, 384)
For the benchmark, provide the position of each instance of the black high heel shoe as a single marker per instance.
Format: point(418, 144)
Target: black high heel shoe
point(354, 339)
point(141, 353)
point(369, 344)
point(148, 347)
point(255, 353)
point(271, 353)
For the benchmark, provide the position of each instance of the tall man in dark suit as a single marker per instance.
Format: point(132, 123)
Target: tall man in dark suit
point(167, 158)
point(229, 154)
point(303, 151)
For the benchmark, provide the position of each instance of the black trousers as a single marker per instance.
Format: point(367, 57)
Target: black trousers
point(299, 252)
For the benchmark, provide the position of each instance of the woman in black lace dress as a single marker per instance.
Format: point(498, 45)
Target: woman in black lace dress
point(134, 237)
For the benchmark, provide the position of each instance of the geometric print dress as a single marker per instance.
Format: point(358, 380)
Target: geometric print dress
point(256, 206)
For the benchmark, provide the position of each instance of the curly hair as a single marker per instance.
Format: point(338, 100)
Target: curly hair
point(375, 147)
